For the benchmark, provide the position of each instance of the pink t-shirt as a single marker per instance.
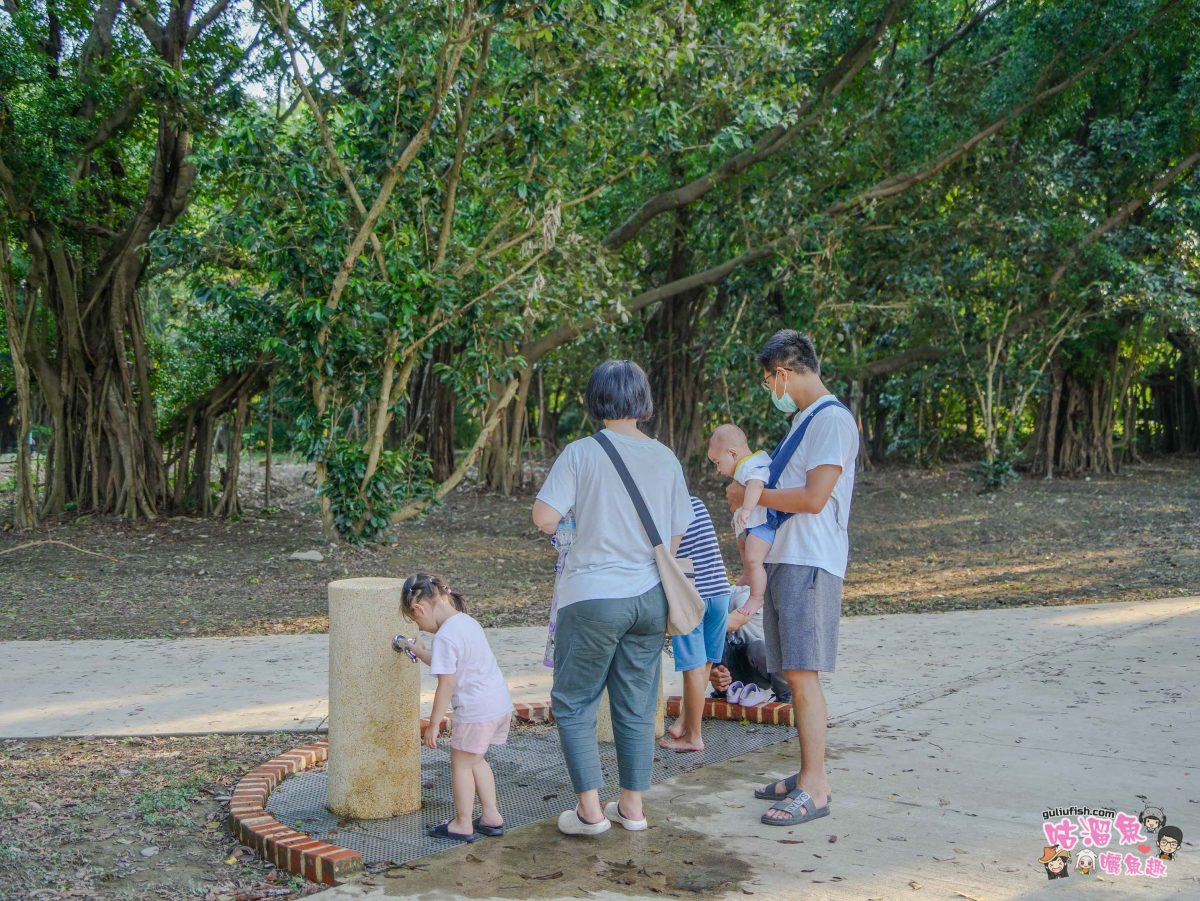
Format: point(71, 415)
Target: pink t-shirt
point(460, 647)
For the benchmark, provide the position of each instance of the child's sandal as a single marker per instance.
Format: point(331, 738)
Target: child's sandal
point(442, 830)
point(490, 831)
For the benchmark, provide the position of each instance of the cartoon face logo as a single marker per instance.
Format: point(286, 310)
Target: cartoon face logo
point(1169, 840)
point(1055, 860)
point(1085, 862)
point(1152, 818)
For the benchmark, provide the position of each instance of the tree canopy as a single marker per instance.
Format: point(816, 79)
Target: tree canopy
point(418, 225)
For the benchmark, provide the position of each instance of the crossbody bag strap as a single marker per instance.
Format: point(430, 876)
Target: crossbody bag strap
point(638, 501)
point(787, 447)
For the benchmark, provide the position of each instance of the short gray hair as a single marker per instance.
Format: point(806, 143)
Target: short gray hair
point(619, 389)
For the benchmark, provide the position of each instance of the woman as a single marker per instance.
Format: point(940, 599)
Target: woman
point(612, 613)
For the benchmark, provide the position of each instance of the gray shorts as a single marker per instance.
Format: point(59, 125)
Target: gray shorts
point(800, 617)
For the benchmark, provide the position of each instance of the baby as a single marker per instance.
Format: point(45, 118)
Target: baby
point(729, 451)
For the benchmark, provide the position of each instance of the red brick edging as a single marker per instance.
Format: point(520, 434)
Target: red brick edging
point(287, 848)
point(319, 861)
point(773, 713)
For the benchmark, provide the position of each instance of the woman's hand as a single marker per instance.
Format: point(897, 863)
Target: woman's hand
point(736, 620)
point(432, 731)
point(735, 493)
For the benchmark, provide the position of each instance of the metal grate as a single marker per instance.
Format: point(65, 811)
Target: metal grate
point(531, 781)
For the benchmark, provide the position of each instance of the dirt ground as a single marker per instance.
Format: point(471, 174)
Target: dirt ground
point(133, 818)
point(921, 540)
point(78, 818)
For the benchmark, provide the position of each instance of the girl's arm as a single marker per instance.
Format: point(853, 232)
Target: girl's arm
point(424, 654)
point(441, 703)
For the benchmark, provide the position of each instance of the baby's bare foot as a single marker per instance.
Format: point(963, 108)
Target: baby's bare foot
point(751, 607)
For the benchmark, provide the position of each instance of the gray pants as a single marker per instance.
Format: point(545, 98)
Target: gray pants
point(613, 643)
point(800, 618)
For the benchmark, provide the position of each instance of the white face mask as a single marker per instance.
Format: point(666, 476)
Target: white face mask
point(784, 403)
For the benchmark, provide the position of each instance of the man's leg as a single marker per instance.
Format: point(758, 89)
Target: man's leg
point(808, 703)
point(800, 622)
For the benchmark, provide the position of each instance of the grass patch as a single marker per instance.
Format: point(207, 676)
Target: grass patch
point(162, 806)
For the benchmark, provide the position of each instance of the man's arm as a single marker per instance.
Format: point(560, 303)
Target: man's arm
point(812, 498)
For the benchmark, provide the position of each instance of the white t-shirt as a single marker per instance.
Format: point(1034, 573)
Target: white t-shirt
point(820, 539)
point(611, 556)
point(480, 692)
point(756, 466)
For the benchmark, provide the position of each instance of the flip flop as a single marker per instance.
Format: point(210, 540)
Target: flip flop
point(769, 793)
point(791, 805)
point(490, 831)
point(753, 696)
point(734, 692)
point(442, 830)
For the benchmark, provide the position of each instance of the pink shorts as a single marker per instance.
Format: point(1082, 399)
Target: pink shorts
point(475, 738)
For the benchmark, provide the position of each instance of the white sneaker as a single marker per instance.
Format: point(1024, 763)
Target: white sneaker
point(739, 596)
point(570, 823)
point(612, 810)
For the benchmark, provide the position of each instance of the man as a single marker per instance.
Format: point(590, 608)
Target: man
point(807, 561)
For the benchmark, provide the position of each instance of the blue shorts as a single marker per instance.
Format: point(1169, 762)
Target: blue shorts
point(765, 532)
point(705, 643)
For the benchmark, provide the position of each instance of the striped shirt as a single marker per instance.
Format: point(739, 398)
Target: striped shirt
point(700, 545)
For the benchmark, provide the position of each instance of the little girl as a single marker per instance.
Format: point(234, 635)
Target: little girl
point(470, 681)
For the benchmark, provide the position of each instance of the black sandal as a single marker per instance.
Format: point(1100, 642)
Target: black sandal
point(442, 830)
point(490, 831)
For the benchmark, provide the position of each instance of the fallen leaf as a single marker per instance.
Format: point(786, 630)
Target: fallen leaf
point(914, 885)
point(832, 839)
point(557, 874)
point(150, 852)
point(789, 841)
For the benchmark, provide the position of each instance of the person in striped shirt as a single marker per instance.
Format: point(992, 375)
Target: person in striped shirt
point(696, 652)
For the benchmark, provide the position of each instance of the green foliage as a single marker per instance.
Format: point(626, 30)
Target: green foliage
point(401, 476)
point(995, 475)
point(954, 224)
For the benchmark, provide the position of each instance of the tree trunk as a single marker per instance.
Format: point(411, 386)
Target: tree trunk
point(432, 407)
point(26, 516)
point(678, 358)
point(270, 441)
point(229, 506)
point(501, 461)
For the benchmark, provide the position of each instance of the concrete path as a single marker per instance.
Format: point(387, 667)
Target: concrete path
point(270, 683)
point(280, 682)
point(951, 733)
